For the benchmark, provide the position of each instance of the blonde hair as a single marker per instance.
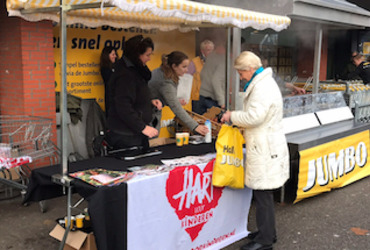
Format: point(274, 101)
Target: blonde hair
point(247, 60)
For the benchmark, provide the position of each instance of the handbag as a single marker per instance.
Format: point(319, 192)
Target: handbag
point(228, 169)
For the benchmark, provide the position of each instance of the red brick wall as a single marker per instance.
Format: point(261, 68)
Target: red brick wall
point(26, 68)
point(306, 50)
point(324, 57)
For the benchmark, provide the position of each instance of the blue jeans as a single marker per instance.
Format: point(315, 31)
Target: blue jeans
point(204, 104)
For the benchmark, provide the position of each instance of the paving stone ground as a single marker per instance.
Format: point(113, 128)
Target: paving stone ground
point(338, 220)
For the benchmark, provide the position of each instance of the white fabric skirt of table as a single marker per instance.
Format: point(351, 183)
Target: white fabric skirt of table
point(181, 209)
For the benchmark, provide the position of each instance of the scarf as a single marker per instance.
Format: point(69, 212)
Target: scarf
point(142, 70)
point(259, 70)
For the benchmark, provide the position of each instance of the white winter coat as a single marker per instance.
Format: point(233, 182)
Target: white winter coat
point(267, 157)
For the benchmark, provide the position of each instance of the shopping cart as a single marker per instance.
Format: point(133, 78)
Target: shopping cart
point(24, 140)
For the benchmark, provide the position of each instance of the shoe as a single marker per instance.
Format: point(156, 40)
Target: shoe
point(253, 235)
point(256, 246)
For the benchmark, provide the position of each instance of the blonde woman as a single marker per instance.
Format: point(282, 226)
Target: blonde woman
point(267, 158)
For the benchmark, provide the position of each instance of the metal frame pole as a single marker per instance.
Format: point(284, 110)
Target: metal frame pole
point(317, 59)
point(227, 69)
point(63, 110)
point(63, 88)
point(234, 78)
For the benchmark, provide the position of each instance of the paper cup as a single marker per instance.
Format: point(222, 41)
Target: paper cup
point(80, 221)
point(186, 138)
point(179, 139)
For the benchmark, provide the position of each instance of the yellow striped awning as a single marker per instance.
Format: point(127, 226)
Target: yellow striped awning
point(147, 14)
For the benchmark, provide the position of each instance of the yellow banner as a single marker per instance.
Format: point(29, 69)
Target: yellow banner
point(84, 46)
point(168, 123)
point(332, 165)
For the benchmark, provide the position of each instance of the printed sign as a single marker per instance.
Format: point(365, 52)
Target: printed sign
point(190, 192)
point(84, 46)
point(181, 210)
point(332, 165)
point(366, 48)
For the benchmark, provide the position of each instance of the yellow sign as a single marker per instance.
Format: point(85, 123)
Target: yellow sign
point(332, 165)
point(84, 46)
point(366, 48)
point(168, 123)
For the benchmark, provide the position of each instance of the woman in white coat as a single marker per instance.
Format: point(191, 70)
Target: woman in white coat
point(267, 157)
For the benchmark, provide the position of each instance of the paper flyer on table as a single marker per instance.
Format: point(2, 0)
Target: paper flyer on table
point(189, 160)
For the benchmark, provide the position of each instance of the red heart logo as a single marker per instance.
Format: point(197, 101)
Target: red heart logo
point(190, 192)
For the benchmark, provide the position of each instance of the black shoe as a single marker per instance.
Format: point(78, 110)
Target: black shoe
point(256, 246)
point(253, 235)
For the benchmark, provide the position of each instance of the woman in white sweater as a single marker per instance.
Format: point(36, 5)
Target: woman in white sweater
point(267, 157)
point(163, 86)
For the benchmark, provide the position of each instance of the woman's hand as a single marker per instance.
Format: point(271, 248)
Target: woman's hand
point(300, 91)
point(295, 90)
point(150, 131)
point(201, 129)
point(226, 116)
point(157, 103)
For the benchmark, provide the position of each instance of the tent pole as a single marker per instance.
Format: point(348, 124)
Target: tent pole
point(63, 87)
point(317, 59)
point(234, 79)
point(227, 69)
point(64, 179)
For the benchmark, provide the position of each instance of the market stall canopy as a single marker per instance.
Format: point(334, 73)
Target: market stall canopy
point(336, 13)
point(147, 14)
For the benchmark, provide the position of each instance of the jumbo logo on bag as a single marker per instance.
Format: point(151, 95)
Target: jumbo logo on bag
point(229, 159)
point(190, 192)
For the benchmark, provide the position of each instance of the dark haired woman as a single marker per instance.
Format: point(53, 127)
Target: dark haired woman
point(108, 58)
point(130, 108)
point(163, 86)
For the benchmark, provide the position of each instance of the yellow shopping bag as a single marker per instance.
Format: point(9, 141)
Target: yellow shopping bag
point(228, 169)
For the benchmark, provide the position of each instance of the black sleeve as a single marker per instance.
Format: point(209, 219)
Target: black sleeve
point(105, 74)
point(354, 74)
point(124, 100)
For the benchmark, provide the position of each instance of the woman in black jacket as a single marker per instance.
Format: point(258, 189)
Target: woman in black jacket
point(130, 108)
point(108, 58)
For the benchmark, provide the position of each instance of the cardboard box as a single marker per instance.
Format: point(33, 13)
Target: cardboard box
point(212, 113)
point(75, 240)
point(161, 141)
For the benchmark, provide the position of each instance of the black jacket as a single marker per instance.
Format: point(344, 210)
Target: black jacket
point(106, 73)
point(130, 108)
point(363, 70)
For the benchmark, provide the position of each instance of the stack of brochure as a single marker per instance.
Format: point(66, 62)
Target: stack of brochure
point(103, 177)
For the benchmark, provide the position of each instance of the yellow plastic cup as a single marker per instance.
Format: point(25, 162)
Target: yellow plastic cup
point(179, 139)
point(186, 138)
point(80, 221)
point(72, 221)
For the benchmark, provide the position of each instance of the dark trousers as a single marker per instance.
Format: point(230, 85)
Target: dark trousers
point(265, 216)
point(195, 106)
point(203, 104)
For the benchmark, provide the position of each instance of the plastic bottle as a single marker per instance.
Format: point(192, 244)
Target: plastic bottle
point(208, 136)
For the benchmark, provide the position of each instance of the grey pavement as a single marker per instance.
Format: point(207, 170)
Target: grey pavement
point(337, 220)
